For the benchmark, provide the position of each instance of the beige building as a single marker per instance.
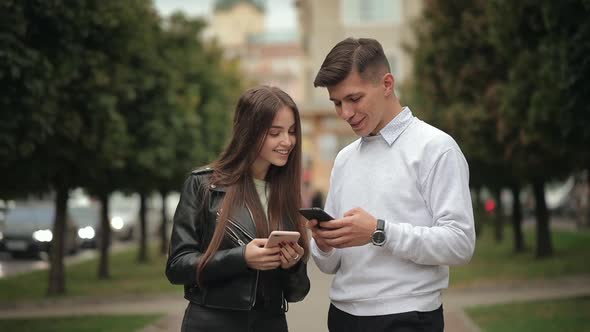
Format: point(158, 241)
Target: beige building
point(266, 57)
point(233, 22)
point(324, 23)
point(276, 58)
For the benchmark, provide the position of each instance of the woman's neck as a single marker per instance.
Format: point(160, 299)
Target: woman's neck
point(259, 172)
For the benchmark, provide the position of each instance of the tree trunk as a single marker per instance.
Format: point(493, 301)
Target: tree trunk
point(142, 254)
point(499, 217)
point(164, 226)
point(478, 212)
point(544, 246)
point(517, 219)
point(57, 282)
point(588, 195)
point(105, 237)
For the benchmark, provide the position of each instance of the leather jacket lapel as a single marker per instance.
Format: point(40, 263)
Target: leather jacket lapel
point(241, 221)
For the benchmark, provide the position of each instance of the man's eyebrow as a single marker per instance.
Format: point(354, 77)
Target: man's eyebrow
point(347, 96)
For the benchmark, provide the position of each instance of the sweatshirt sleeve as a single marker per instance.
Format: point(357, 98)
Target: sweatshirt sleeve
point(326, 262)
point(451, 239)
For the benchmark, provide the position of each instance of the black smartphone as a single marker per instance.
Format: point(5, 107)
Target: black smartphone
point(315, 213)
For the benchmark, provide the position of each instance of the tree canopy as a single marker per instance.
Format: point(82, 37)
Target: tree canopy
point(104, 94)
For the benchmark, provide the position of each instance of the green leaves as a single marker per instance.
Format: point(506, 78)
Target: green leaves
point(100, 93)
point(508, 80)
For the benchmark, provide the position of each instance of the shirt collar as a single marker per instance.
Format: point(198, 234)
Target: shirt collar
point(395, 127)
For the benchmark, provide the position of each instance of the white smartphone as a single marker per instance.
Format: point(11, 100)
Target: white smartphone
point(277, 237)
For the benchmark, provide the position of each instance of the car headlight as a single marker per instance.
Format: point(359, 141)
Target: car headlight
point(86, 233)
point(117, 223)
point(1, 236)
point(43, 235)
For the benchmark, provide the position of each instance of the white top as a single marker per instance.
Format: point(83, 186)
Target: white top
point(415, 177)
point(262, 194)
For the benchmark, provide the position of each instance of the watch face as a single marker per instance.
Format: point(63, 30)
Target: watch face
point(378, 237)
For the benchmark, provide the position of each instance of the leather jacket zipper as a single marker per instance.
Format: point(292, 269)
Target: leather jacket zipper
point(242, 229)
point(232, 234)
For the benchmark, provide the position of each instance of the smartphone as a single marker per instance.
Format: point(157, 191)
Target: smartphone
point(315, 213)
point(277, 237)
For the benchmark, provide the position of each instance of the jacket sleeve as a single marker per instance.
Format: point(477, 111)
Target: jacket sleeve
point(296, 282)
point(190, 224)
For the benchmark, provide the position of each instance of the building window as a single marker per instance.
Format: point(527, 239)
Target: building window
point(362, 12)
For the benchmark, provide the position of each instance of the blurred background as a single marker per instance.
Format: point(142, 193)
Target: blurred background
point(107, 105)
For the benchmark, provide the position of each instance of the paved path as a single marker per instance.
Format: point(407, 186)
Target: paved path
point(309, 315)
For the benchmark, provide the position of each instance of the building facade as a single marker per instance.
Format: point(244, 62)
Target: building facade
point(265, 57)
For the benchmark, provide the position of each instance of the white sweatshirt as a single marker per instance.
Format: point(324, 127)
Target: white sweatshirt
point(416, 178)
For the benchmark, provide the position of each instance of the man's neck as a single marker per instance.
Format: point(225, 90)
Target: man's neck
point(394, 109)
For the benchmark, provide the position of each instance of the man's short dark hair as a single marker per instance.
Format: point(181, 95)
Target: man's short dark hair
point(365, 55)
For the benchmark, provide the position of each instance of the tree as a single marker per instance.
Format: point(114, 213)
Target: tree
point(61, 111)
point(137, 20)
point(457, 73)
point(566, 50)
point(204, 86)
point(530, 106)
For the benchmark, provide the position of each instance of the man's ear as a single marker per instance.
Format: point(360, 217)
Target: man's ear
point(388, 83)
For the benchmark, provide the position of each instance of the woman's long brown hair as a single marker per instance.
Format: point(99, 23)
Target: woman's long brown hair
point(253, 117)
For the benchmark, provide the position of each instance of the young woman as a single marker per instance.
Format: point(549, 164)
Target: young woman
point(225, 214)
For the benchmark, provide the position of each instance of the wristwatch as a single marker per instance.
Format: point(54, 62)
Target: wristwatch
point(378, 237)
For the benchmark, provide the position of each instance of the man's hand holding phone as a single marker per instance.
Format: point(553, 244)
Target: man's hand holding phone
point(354, 229)
point(315, 216)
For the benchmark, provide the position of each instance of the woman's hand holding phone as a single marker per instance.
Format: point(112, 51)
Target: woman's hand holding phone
point(280, 249)
point(291, 253)
point(258, 257)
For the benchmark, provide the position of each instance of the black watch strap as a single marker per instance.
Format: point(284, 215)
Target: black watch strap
point(379, 237)
point(380, 225)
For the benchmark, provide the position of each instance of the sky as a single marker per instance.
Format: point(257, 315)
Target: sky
point(281, 14)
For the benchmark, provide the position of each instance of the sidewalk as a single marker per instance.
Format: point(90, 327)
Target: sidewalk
point(309, 315)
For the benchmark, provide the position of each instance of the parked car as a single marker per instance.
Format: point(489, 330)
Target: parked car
point(123, 211)
point(124, 215)
point(28, 230)
point(124, 222)
point(87, 218)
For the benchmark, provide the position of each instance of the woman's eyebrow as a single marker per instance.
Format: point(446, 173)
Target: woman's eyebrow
point(280, 127)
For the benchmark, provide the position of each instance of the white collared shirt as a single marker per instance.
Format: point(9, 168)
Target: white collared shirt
point(415, 177)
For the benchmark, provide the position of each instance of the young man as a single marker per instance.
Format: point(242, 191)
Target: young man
point(400, 196)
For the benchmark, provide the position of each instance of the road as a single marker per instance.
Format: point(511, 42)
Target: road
point(10, 266)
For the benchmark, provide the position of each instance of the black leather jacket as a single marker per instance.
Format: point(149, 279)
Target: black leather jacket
point(229, 283)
